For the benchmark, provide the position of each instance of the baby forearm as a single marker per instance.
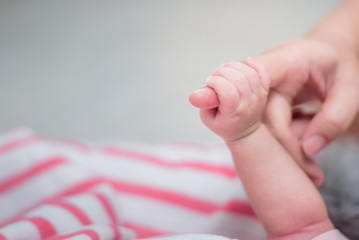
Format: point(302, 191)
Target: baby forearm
point(285, 201)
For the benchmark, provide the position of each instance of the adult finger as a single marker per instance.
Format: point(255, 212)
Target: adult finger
point(336, 114)
point(278, 119)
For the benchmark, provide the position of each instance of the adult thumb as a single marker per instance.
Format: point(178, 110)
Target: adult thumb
point(336, 114)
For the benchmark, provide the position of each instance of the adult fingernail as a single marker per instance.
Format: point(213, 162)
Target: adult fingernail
point(314, 144)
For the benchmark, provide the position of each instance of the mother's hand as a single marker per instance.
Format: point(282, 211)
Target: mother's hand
point(302, 71)
point(307, 70)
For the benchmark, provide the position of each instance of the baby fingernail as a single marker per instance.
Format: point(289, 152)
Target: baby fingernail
point(200, 90)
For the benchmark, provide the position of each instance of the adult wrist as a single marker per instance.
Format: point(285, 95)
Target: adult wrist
point(340, 28)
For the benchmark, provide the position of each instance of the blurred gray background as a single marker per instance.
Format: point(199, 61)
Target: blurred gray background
point(123, 70)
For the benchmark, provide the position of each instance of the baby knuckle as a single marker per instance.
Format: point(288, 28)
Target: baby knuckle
point(223, 72)
point(218, 71)
point(230, 64)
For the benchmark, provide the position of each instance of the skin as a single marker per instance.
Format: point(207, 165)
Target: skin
point(321, 66)
point(276, 186)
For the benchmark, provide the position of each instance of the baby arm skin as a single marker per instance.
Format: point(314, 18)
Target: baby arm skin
point(283, 197)
point(281, 194)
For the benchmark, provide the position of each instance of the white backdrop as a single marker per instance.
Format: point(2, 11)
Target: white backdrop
point(122, 70)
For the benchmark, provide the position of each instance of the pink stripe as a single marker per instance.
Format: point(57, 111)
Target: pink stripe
point(234, 206)
point(90, 233)
point(45, 227)
point(221, 170)
point(108, 206)
point(144, 232)
point(199, 205)
point(166, 196)
point(185, 201)
point(116, 232)
point(77, 212)
point(2, 237)
point(239, 207)
point(18, 143)
point(34, 171)
point(79, 188)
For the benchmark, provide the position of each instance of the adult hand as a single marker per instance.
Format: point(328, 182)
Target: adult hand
point(302, 71)
point(309, 69)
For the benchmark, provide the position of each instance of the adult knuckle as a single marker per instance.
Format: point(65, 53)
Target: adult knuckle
point(334, 122)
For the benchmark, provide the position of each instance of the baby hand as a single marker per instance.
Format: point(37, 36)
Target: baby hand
point(242, 91)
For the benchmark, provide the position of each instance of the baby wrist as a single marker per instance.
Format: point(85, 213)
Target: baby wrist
point(256, 127)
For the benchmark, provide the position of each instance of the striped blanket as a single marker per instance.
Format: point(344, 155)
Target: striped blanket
point(63, 189)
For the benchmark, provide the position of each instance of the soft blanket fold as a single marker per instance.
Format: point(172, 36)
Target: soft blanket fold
point(61, 189)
